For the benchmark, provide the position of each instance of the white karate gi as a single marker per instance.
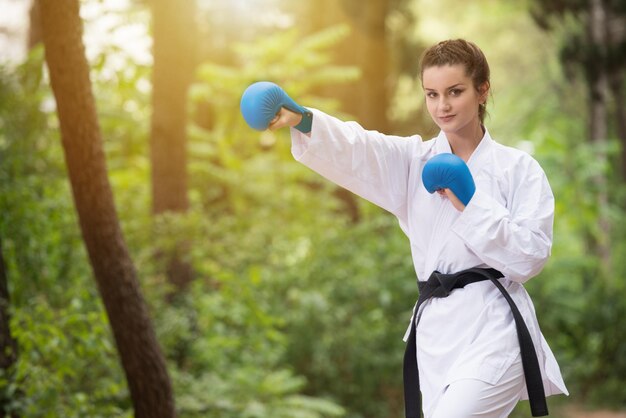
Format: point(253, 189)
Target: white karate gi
point(507, 225)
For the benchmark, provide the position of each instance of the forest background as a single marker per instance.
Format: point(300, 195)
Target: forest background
point(253, 287)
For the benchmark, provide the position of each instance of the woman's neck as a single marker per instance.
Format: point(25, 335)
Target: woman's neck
point(463, 144)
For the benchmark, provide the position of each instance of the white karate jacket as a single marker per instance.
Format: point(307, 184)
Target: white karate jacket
point(507, 225)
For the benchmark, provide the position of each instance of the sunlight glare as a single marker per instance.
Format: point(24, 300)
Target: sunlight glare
point(13, 30)
point(248, 14)
point(108, 25)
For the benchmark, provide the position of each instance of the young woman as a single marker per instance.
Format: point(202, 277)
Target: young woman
point(465, 338)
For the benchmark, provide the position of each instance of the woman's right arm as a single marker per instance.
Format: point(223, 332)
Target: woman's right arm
point(368, 163)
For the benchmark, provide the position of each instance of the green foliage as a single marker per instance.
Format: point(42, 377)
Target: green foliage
point(348, 304)
point(67, 365)
point(220, 334)
point(295, 310)
point(578, 300)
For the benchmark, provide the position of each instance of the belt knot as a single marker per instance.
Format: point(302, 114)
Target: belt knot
point(443, 283)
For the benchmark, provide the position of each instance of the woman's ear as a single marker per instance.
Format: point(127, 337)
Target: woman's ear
point(483, 92)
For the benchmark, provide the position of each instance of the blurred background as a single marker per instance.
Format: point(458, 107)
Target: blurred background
point(272, 292)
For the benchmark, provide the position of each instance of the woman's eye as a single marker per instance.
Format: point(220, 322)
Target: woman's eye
point(432, 94)
point(456, 92)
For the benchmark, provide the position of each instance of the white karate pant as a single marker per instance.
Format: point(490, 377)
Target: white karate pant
point(474, 398)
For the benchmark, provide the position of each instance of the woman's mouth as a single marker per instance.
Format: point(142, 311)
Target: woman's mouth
point(445, 118)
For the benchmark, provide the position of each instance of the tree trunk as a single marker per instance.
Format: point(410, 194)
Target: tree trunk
point(598, 80)
point(616, 29)
point(34, 27)
point(174, 37)
point(617, 88)
point(143, 362)
point(598, 123)
point(366, 47)
point(8, 345)
point(369, 48)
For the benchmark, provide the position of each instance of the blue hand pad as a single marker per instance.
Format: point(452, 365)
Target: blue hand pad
point(261, 102)
point(447, 171)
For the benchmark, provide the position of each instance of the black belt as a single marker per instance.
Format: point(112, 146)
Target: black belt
point(440, 285)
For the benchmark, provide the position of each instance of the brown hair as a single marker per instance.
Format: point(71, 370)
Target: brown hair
point(460, 51)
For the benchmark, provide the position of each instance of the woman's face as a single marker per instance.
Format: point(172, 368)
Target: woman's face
point(452, 99)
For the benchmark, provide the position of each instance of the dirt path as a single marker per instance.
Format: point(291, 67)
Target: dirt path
point(574, 412)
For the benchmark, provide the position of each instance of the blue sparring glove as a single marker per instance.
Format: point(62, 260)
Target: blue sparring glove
point(447, 171)
point(263, 100)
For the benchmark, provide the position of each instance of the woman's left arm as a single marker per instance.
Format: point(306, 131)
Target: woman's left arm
point(517, 238)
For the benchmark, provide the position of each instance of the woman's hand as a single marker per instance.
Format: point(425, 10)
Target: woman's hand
point(458, 205)
point(285, 117)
